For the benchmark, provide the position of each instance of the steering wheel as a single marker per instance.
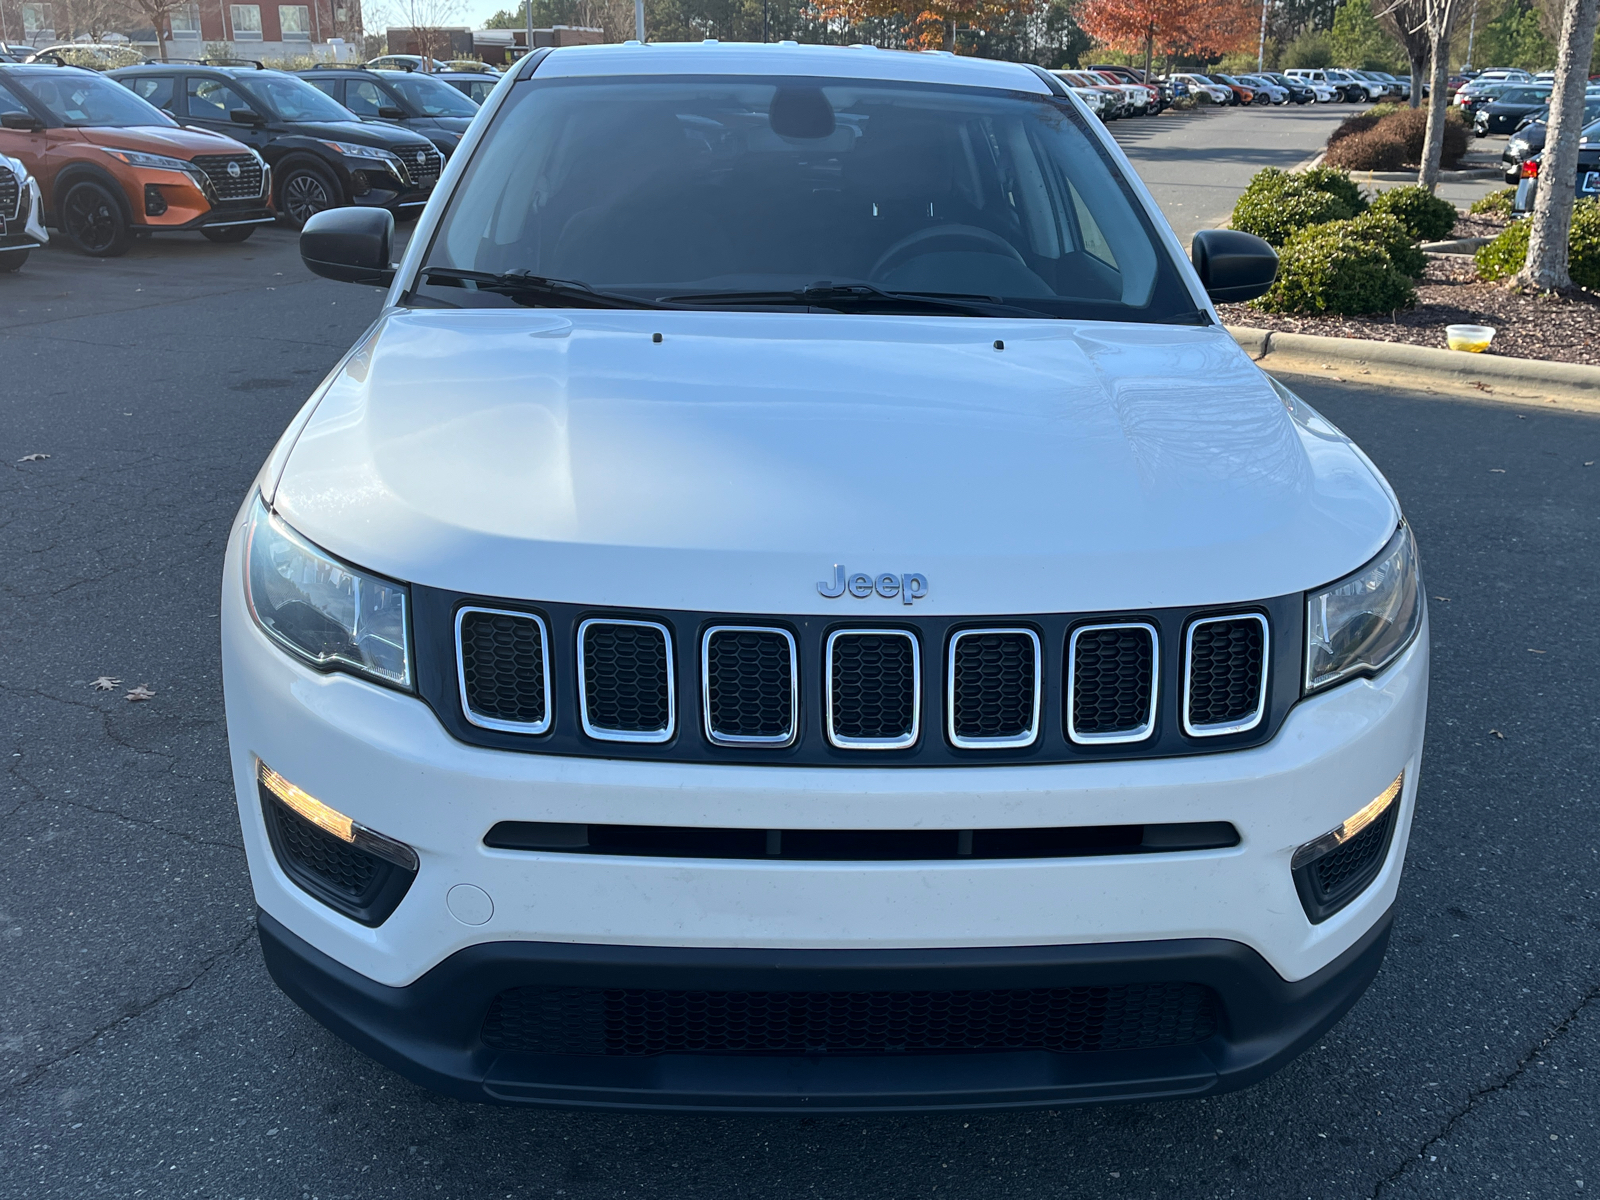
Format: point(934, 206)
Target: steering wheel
point(940, 238)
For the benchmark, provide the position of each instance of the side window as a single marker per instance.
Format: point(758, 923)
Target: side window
point(157, 89)
point(481, 89)
point(363, 98)
point(330, 86)
point(212, 100)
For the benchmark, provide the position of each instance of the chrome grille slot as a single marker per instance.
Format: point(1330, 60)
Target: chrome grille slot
point(1111, 683)
point(246, 185)
point(994, 688)
point(874, 689)
point(10, 196)
point(504, 669)
point(625, 680)
point(748, 676)
point(424, 164)
point(1225, 675)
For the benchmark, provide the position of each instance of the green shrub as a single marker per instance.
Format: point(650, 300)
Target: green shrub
point(1495, 204)
point(1342, 268)
point(1337, 182)
point(1400, 131)
point(1277, 204)
point(1380, 111)
point(1427, 217)
point(1506, 255)
point(1387, 230)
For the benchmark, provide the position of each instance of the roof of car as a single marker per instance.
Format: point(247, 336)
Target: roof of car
point(780, 58)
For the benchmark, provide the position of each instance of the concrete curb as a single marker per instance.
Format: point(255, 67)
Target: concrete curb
point(1465, 245)
point(1523, 377)
point(1462, 176)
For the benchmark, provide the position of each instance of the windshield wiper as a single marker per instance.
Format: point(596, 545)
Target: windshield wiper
point(856, 297)
point(536, 291)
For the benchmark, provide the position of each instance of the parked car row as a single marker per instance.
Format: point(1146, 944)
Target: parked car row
point(105, 157)
point(1528, 141)
point(1296, 86)
point(1113, 92)
point(1588, 172)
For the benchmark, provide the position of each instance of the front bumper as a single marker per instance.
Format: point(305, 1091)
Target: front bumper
point(25, 230)
point(430, 1030)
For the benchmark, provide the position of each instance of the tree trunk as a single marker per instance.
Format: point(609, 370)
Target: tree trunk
point(1149, 51)
point(1438, 104)
point(1551, 226)
point(950, 35)
point(1418, 67)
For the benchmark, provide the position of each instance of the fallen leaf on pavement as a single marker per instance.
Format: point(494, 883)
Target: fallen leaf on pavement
point(140, 693)
point(33, 458)
point(1590, 463)
point(1481, 386)
point(1531, 650)
point(1497, 470)
point(1443, 599)
point(104, 683)
point(1498, 734)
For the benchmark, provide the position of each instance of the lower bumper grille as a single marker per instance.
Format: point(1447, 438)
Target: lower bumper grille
point(638, 1023)
point(361, 885)
point(10, 196)
point(1328, 883)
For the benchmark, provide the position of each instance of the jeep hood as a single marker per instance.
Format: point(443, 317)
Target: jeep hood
point(567, 456)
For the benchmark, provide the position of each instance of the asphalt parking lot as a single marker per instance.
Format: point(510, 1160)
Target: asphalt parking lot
point(143, 1050)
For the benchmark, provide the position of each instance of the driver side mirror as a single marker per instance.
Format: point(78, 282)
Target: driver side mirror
point(351, 245)
point(390, 113)
point(26, 122)
point(246, 116)
point(1233, 266)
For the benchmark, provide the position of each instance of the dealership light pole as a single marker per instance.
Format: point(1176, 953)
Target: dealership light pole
point(1261, 48)
point(638, 19)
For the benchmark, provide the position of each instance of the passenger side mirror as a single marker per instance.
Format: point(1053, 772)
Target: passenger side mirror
point(351, 245)
point(26, 122)
point(390, 113)
point(246, 116)
point(1233, 266)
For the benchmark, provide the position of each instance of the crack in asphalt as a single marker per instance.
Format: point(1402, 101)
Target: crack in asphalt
point(33, 1074)
point(1483, 1093)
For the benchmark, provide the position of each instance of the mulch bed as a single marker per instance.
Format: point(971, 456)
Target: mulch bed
point(1562, 327)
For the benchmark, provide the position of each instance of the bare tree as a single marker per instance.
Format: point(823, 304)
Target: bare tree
point(159, 14)
point(424, 20)
point(1438, 22)
point(1405, 21)
point(1546, 267)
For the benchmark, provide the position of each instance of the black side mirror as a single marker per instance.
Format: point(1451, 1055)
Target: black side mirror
point(390, 113)
point(1233, 266)
point(246, 116)
point(26, 122)
point(351, 245)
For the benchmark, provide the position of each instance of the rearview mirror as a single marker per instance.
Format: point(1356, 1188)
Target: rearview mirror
point(245, 116)
point(390, 113)
point(351, 245)
point(1233, 266)
point(26, 122)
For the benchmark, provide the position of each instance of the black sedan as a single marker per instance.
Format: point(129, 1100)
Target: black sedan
point(1528, 141)
point(1299, 93)
point(1506, 111)
point(1588, 181)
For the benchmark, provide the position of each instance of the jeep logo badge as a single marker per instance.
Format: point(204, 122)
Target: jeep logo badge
point(233, 171)
point(910, 587)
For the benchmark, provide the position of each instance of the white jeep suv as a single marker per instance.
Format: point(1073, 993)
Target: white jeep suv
point(798, 604)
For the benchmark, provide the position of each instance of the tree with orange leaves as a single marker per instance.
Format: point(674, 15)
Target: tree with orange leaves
point(933, 26)
point(1204, 28)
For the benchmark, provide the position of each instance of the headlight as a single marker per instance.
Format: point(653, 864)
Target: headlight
point(351, 150)
point(153, 162)
point(321, 609)
point(1361, 623)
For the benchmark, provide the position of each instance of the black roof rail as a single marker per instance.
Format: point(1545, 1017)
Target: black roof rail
point(337, 66)
point(234, 62)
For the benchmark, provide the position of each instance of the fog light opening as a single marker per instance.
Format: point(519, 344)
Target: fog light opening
point(360, 185)
point(154, 202)
point(1351, 826)
point(303, 804)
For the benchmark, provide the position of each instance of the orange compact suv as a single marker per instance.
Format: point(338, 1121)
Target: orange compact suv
point(112, 166)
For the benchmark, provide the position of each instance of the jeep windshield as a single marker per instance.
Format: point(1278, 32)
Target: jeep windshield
point(803, 193)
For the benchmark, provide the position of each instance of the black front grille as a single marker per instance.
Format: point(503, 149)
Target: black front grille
point(993, 677)
point(626, 678)
point(749, 682)
point(1113, 679)
point(638, 1023)
point(872, 687)
point(1227, 669)
point(503, 668)
point(423, 164)
point(246, 185)
point(10, 196)
point(1328, 883)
